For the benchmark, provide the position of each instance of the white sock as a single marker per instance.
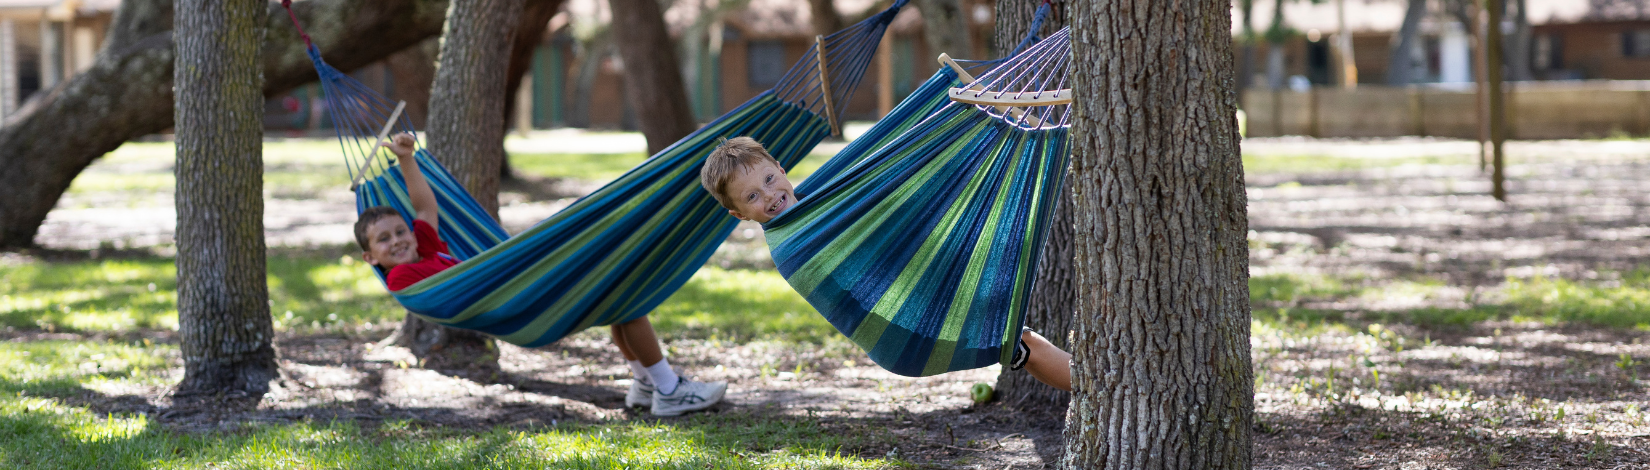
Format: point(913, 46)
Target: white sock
point(664, 379)
point(638, 371)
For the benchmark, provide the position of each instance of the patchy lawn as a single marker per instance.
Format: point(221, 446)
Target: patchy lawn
point(1402, 319)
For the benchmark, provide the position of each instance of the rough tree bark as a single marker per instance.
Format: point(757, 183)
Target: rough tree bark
point(652, 76)
point(590, 56)
point(127, 92)
point(466, 133)
point(1054, 295)
point(1400, 68)
point(824, 16)
point(945, 26)
point(414, 70)
point(1161, 371)
point(223, 296)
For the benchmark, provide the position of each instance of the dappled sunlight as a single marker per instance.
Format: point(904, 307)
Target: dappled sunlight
point(740, 304)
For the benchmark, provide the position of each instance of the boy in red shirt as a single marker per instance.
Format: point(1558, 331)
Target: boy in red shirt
point(411, 255)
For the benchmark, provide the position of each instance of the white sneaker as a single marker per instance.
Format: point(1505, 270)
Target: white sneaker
point(640, 394)
point(689, 396)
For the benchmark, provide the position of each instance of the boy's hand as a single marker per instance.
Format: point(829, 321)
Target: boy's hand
point(401, 144)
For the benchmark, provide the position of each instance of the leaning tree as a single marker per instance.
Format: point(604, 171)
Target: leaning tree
point(1053, 295)
point(223, 296)
point(652, 76)
point(127, 91)
point(466, 133)
point(1161, 372)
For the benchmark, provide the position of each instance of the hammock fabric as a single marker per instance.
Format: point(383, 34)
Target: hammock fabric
point(615, 254)
point(922, 247)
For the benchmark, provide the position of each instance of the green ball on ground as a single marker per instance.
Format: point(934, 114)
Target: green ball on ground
point(981, 392)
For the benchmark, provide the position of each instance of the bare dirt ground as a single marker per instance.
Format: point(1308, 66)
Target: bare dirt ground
point(1497, 394)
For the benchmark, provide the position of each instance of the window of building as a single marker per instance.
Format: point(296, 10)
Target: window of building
point(1635, 43)
point(1548, 53)
point(765, 63)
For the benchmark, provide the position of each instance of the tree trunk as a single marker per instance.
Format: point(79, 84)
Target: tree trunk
point(223, 296)
point(652, 76)
point(592, 52)
point(127, 92)
point(1400, 68)
point(824, 15)
point(535, 18)
point(1161, 370)
point(945, 27)
point(466, 133)
point(414, 71)
point(1054, 295)
point(1518, 48)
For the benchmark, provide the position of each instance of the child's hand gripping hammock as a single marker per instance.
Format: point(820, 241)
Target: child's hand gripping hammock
point(920, 241)
point(617, 253)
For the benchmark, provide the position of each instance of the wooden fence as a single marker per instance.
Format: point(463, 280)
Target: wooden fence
point(1535, 110)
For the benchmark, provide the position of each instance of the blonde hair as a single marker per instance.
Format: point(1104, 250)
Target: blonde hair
point(731, 155)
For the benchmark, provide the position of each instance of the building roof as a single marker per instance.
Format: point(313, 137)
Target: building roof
point(1388, 15)
point(754, 18)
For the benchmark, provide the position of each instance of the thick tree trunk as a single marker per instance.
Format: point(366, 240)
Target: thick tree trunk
point(592, 52)
point(414, 70)
point(1054, 295)
point(1518, 46)
point(652, 76)
point(1161, 372)
point(466, 133)
point(535, 18)
point(127, 92)
point(824, 15)
point(945, 27)
point(223, 296)
point(1400, 68)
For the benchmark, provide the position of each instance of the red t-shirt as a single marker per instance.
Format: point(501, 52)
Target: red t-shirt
point(433, 258)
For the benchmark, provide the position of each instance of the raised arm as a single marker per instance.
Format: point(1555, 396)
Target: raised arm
point(425, 207)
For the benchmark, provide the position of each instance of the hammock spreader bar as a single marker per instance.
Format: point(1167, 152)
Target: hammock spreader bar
point(923, 247)
point(615, 254)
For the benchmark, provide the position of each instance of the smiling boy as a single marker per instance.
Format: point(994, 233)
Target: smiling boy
point(408, 255)
point(751, 184)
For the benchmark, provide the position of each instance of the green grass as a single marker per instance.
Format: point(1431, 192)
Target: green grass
point(302, 168)
point(39, 428)
point(328, 288)
point(742, 306)
point(595, 167)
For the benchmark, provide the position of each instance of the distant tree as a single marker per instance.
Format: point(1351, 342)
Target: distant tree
point(1161, 368)
point(945, 27)
point(530, 28)
point(825, 18)
point(652, 75)
point(466, 133)
point(223, 296)
point(1401, 64)
point(1054, 294)
point(127, 91)
point(1248, 37)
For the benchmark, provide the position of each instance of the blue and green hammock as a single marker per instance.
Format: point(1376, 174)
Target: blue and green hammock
point(617, 253)
point(921, 245)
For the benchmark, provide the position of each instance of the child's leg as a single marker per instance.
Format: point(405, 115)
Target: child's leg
point(619, 340)
point(1048, 364)
point(638, 338)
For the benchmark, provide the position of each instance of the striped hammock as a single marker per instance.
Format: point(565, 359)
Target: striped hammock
point(617, 253)
point(922, 246)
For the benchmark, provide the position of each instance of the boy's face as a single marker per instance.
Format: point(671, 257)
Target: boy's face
point(390, 243)
point(759, 193)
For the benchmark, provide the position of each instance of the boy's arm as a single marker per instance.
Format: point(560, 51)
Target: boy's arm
point(425, 207)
